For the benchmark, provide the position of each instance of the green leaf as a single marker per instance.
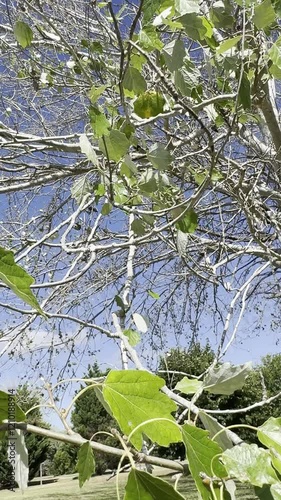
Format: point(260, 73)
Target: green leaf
point(137, 61)
point(148, 182)
point(263, 493)
point(96, 92)
point(212, 425)
point(154, 295)
point(106, 209)
point(134, 81)
point(140, 322)
point(149, 8)
point(138, 227)
point(216, 175)
point(159, 156)
point(220, 15)
point(269, 434)
point(131, 166)
point(23, 34)
point(200, 452)
point(149, 219)
point(264, 14)
point(187, 80)
point(275, 55)
point(98, 392)
point(149, 39)
point(149, 104)
point(277, 7)
point(99, 122)
point(244, 94)
point(115, 146)
point(227, 378)
point(196, 27)
point(133, 336)
point(80, 188)
point(174, 54)
point(188, 385)
point(99, 190)
point(188, 223)
point(96, 46)
point(134, 397)
point(17, 279)
point(275, 490)
point(120, 302)
point(143, 486)
point(275, 71)
point(249, 463)
point(9, 409)
point(228, 44)
point(85, 463)
point(187, 7)
point(165, 16)
point(87, 149)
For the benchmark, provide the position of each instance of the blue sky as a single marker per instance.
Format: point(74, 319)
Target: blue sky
point(249, 346)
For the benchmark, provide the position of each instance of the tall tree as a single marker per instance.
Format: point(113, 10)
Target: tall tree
point(140, 183)
point(140, 150)
point(90, 419)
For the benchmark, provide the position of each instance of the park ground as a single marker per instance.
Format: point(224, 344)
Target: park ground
point(100, 488)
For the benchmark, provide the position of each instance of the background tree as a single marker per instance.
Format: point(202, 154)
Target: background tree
point(261, 383)
point(64, 460)
point(89, 418)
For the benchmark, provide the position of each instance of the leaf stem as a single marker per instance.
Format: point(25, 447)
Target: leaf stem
point(234, 426)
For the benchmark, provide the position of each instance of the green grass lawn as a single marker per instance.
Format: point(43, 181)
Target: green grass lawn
point(98, 488)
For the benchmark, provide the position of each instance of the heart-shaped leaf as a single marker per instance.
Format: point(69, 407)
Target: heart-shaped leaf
point(134, 81)
point(269, 434)
point(133, 336)
point(115, 145)
point(87, 149)
point(159, 156)
point(80, 188)
point(275, 490)
point(23, 34)
point(188, 223)
point(144, 486)
point(149, 104)
point(227, 378)
point(134, 397)
point(249, 463)
point(188, 386)
point(201, 452)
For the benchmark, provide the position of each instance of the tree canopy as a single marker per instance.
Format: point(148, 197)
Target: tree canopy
point(140, 151)
point(140, 195)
